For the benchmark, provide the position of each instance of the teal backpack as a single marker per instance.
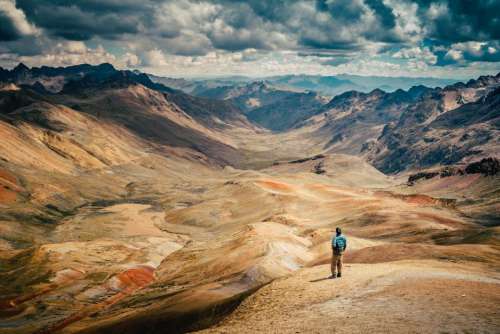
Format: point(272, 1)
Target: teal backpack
point(339, 243)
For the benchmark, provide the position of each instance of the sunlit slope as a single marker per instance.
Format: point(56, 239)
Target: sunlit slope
point(237, 230)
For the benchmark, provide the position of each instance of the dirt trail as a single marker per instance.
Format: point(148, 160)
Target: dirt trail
point(405, 296)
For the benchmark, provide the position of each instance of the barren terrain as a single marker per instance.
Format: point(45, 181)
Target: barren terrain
point(127, 209)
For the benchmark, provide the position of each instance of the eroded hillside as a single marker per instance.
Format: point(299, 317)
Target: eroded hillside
point(129, 207)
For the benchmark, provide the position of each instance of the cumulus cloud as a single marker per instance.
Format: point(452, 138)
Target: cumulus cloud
point(154, 58)
point(221, 25)
point(82, 20)
point(131, 60)
point(13, 22)
point(69, 53)
point(325, 36)
point(417, 53)
point(473, 51)
point(461, 20)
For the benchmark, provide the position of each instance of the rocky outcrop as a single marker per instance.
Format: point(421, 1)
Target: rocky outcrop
point(487, 167)
point(422, 175)
point(316, 157)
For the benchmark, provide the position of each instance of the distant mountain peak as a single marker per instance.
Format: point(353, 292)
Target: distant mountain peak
point(377, 91)
point(20, 68)
point(106, 67)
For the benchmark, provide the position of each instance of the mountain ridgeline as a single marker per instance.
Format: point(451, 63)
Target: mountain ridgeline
point(395, 131)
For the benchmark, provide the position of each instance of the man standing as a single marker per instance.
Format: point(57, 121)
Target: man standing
point(339, 244)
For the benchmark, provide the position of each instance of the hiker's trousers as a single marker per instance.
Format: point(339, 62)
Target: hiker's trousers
point(337, 262)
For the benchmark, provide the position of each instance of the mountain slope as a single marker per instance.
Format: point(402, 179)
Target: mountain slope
point(352, 120)
point(274, 109)
point(457, 124)
point(418, 128)
point(326, 85)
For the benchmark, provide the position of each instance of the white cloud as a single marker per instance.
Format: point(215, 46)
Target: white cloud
point(155, 58)
point(72, 47)
point(408, 25)
point(205, 37)
point(473, 51)
point(17, 16)
point(130, 60)
point(71, 53)
point(436, 10)
point(417, 54)
point(454, 55)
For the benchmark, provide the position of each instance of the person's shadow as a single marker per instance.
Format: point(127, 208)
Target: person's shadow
point(320, 279)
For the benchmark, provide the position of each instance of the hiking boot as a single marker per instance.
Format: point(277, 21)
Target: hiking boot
point(339, 275)
point(332, 276)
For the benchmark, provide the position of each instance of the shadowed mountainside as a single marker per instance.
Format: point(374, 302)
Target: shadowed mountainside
point(275, 109)
point(418, 128)
point(460, 123)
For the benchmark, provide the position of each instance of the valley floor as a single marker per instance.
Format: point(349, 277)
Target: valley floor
point(161, 250)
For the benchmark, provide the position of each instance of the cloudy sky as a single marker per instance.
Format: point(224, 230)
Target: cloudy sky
point(440, 38)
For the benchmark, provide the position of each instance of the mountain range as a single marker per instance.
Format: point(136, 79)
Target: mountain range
point(137, 204)
point(415, 128)
point(323, 85)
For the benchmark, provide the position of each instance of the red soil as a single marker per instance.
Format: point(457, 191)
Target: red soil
point(139, 276)
point(273, 185)
point(8, 187)
point(130, 280)
point(7, 176)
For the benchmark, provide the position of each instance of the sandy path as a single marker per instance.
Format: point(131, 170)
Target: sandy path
point(394, 297)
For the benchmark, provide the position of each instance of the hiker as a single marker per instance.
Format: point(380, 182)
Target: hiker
point(339, 244)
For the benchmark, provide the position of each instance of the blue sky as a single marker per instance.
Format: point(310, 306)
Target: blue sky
point(188, 38)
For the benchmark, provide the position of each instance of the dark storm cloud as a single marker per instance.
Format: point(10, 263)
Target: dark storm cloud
point(308, 30)
point(320, 41)
point(8, 30)
point(461, 20)
point(270, 10)
point(13, 24)
point(82, 20)
point(342, 10)
point(384, 13)
point(463, 53)
point(242, 24)
point(236, 30)
point(196, 27)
